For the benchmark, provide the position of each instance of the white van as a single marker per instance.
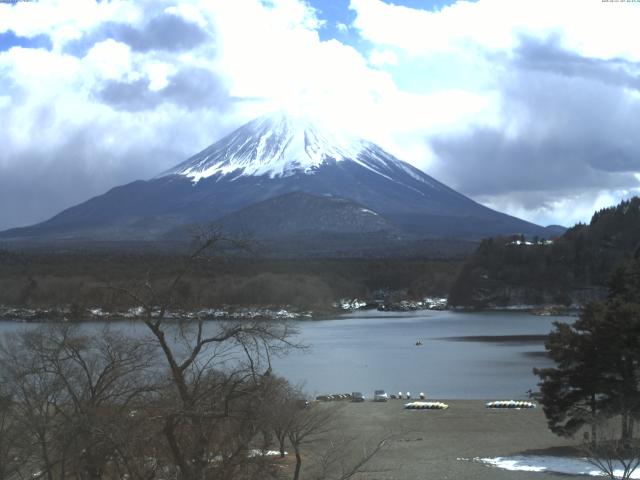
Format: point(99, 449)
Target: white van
point(380, 396)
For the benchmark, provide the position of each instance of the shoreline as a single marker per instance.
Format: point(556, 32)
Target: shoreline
point(93, 314)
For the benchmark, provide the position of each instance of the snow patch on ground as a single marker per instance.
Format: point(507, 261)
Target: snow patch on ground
point(545, 463)
point(267, 453)
point(366, 210)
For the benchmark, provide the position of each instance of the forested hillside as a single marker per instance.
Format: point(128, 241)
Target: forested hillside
point(566, 270)
point(80, 279)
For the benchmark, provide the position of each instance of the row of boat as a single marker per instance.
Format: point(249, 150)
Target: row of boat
point(426, 406)
point(510, 404)
point(516, 404)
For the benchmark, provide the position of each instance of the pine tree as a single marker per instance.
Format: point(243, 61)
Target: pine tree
point(571, 392)
point(597, 371)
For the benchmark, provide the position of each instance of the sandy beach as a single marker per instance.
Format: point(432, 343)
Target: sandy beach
point(431, 443)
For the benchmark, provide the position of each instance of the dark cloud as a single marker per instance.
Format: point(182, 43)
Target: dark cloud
point(488, 162)
point(67, 163)
point(548, 56)
point(38, 183)
point(193, 88)
point(569, 127)
point(165, 32)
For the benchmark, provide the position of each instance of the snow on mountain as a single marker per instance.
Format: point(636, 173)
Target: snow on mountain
point(277, 164)
point(280, 145)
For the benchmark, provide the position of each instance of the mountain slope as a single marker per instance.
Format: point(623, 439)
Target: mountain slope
point(300, 224)
point(267, 158)
point(300, 213)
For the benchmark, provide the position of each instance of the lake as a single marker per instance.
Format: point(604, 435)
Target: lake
point(475, 355)
point(464, 355)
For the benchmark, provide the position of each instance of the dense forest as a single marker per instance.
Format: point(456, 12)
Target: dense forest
point(502, 271)
point(566, 270)
point(83, 279)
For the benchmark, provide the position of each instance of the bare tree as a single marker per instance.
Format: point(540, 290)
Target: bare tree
point(11, 439)
point(345, 457)
point(615, 457)
point(35, 394)
point(311, 432)
point(308, 425)
point(73, 396)
point(215, 372)
point(191, 400)
point(281, 401)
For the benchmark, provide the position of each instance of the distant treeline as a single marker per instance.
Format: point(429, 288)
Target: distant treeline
point(82, 279)
point(573, 268)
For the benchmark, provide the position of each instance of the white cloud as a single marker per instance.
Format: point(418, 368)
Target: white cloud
point(63, 20)
point(380, 58)
point(425, 75)
point(589, 27)
point(572, 208)
point(273, 54)
point(109, 60)
point(276, 56)
point(466, 55)
point(268, 52)
point(158, 74)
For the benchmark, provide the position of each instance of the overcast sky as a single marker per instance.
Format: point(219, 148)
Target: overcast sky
point(531, 107)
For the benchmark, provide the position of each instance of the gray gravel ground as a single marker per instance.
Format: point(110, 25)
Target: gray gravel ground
point(431, 443)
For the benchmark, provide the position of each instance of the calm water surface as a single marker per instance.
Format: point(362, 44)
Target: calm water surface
point(371, 350)
point(487, 355)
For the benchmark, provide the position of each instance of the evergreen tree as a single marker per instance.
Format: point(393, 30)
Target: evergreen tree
point(571, 392)
point(597, 371)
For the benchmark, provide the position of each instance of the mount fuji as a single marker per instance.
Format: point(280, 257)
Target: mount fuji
point(280, 177)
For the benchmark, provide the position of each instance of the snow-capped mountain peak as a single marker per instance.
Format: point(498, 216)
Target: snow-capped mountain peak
point(294, 178)
point(276, 145)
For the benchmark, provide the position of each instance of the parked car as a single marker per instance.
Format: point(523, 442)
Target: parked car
point(357, 397)
point(380, 396)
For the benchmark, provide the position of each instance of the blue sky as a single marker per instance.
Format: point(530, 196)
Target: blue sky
point(337, 12)
point(9, 39)
point(527, 107)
